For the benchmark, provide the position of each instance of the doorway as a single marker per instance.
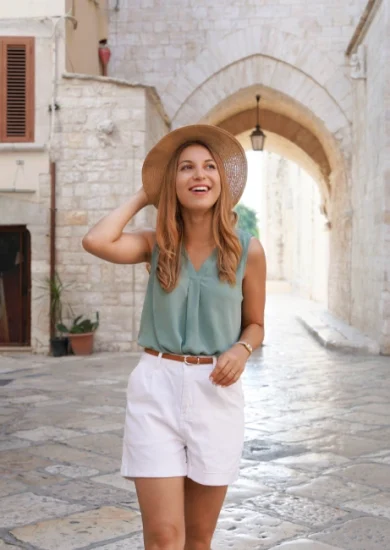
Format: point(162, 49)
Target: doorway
point(15, 286)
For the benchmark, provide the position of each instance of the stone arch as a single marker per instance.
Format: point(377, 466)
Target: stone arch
point(286, 137)
point(319, 127)
point(297, 81)
point(271, 44)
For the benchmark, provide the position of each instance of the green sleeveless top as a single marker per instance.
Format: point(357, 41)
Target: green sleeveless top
point(201, 316)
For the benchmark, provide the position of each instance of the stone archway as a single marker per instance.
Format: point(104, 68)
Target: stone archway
point(306, 101)
point(272, 45)
point(319, 127)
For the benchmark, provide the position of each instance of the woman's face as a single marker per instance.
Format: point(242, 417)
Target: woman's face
point(198, 183)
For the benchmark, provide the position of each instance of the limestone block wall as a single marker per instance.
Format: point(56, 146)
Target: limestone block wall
point(153, 42)
point(101, 146)
point(370, 191)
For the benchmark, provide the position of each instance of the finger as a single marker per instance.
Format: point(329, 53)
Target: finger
point(235, 379)
point(226, 380)
point(229, 378)
point(221, 364)
point(225, 375)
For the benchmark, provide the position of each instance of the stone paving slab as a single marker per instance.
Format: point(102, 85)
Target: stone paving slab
point(11, 444)
point(253, 530)
point(315, 473)
point(332, 490)
point(366, 533)
point(28, 508)
point(71, 471)
point(69, 455)
point(106, 444)
point(15, 461)
point(9, 487)
point(79, 530)
point(34, 479)
point(135, 542)
point(300, 510)
point(91, 493)
point(312, 461)
point(115, 480)
point(346, 445)
point(377, 505)
point(371, 474)
point(43, 433)
point(4, 546)
point(304, 544)
point(274, 475)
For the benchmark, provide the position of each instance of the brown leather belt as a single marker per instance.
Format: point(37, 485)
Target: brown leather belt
point(187, 359)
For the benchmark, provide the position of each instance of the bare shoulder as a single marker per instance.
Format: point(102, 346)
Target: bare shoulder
point(256, 257)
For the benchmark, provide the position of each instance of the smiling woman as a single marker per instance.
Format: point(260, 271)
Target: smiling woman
point(192, 166)
point(203, 314)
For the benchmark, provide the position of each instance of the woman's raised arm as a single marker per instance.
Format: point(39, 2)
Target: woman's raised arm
point(107, 240)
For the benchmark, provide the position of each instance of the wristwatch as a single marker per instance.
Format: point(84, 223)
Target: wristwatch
point(247, 346)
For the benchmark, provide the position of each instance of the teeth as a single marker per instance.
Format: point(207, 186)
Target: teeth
point(199, 189)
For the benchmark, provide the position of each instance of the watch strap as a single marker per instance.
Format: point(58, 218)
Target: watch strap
point(246, 345)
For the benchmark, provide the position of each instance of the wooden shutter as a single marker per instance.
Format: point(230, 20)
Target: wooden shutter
point(17, 89)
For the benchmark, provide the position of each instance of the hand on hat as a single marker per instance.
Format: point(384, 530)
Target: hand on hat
point(141, 193)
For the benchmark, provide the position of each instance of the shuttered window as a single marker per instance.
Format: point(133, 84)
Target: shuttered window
point(16, 89)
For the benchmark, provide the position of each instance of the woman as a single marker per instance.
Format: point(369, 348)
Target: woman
point(202, 316)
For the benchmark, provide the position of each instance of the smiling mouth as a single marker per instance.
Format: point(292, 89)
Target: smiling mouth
point(200, 189)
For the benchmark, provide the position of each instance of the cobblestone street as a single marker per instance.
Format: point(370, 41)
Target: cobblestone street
point(316, 466)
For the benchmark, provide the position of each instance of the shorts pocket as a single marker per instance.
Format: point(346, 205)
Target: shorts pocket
point(140, 378)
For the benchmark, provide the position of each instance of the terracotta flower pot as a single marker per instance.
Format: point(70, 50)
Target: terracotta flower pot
point(82, 344)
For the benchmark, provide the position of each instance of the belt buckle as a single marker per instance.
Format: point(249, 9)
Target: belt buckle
point(186, 362)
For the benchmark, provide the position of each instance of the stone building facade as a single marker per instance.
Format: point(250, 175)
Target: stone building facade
point(322, 69)
point(101, 130)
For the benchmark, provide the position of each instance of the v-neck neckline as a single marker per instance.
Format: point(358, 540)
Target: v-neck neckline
point(204, 263)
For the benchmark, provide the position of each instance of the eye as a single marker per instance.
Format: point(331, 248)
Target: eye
point(185, 167)
point(212, 166)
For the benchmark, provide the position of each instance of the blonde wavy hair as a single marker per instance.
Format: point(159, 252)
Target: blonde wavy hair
point(170, 226)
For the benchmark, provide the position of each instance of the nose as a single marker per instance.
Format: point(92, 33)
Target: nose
point(199, 174)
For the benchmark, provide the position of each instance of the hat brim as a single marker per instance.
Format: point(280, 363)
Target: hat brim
point(228, 148)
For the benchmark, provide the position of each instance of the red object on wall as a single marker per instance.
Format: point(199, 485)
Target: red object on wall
point(104, 56)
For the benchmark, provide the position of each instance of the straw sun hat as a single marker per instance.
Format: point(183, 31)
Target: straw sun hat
point(221, 141)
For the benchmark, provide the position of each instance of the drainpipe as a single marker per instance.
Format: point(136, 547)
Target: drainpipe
point(53, 171)
point(52, 240)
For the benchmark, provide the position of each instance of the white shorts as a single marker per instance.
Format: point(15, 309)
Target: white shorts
point(179, 424)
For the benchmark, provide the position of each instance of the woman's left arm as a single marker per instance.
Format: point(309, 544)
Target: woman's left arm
point(231, 363)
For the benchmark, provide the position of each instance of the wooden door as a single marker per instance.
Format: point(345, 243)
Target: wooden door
point(15, 286)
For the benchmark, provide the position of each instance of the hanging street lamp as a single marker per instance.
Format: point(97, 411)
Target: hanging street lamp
point(258, 136)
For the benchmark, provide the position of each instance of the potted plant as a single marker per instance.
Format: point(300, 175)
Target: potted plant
point(81, 334)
